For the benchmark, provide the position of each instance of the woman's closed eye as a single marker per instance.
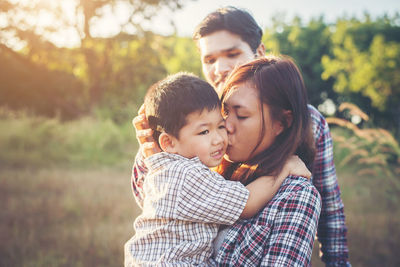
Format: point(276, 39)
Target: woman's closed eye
point(241, 117)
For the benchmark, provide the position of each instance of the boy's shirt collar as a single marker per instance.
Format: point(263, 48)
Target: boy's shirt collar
point(160, 159)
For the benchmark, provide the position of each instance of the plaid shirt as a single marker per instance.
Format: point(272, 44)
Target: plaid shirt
point(331, 227)
point(184, 204)
point(282, 234)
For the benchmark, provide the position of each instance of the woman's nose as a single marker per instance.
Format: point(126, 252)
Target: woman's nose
point(229, 125)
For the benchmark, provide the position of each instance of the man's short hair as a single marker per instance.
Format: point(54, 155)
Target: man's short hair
point(169, 101)
point(234, 20)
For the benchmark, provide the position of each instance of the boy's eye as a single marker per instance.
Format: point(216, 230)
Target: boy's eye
point(221, 126)
point(241, 117)
point(204, 132)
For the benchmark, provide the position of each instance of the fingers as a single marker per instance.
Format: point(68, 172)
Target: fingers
point(140, 122)
point(144, 136)
point(150, 148)
point(141, 110)
point(143, 131)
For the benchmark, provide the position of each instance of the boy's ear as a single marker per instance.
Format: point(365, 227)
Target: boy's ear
point(167, 142)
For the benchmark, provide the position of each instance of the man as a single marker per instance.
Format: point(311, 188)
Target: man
point(229, 37)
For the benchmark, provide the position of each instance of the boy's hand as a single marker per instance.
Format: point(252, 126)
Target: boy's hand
point(144, 134)
point(295, 166)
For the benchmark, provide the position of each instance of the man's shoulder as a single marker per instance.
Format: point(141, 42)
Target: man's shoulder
point(319, 124)
point(316, 116)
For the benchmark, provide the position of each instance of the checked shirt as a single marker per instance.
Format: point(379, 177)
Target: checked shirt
point(282, 234)
point(184, 204)
point(332, 230)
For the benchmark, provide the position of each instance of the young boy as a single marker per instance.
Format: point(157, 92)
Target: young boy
point(185, 202)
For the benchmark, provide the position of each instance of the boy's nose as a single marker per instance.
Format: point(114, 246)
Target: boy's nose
point(218, 138)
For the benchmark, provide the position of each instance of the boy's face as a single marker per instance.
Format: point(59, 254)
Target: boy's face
point(203, 136)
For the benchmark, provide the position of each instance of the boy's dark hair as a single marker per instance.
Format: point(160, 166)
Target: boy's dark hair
point(169, 101)
point(234, 20)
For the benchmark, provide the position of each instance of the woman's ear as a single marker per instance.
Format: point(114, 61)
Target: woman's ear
point(288, 117)
point(167, 142)
point(285, 123)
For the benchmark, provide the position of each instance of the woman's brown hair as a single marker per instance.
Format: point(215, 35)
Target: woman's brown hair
point(281, 87)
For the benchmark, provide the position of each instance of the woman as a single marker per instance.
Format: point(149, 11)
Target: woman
point(265, 104)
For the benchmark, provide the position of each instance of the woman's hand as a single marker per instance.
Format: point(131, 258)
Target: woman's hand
point(295, 166)
point(144, 134)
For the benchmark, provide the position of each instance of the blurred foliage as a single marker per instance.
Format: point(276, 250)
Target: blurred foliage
point(306, 44)
point(365, 64)
point(352, 60)
point(374, 151)
point(44, 142)
point(179, 54)
point(49, 79)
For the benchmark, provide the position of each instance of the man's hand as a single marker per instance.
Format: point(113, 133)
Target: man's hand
point(144, 134)
point(295, 166)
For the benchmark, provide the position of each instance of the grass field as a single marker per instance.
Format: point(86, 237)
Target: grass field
point(60, 208)
point(63, 217)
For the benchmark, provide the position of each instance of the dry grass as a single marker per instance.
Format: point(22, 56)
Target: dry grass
point(78, 218)
point(373, 221)
point(65, 218)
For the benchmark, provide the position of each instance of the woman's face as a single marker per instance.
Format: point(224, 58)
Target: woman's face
point(244, 122)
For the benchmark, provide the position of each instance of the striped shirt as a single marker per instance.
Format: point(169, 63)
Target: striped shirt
point(184, 204)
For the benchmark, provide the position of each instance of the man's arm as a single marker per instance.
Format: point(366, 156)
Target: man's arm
point(147, 147)
point(139, 172)
point(331, 229)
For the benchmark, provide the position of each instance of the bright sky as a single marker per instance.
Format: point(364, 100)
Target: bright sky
point(194, 11)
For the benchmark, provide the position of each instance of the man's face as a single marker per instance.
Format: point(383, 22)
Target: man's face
point(220, 52)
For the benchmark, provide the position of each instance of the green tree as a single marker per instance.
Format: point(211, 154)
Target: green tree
point(180, 54)
point(365, 64)
point(306, 44)
point(93, 62)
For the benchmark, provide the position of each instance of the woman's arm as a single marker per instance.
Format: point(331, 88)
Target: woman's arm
point(293, 233)
point(282, 234)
